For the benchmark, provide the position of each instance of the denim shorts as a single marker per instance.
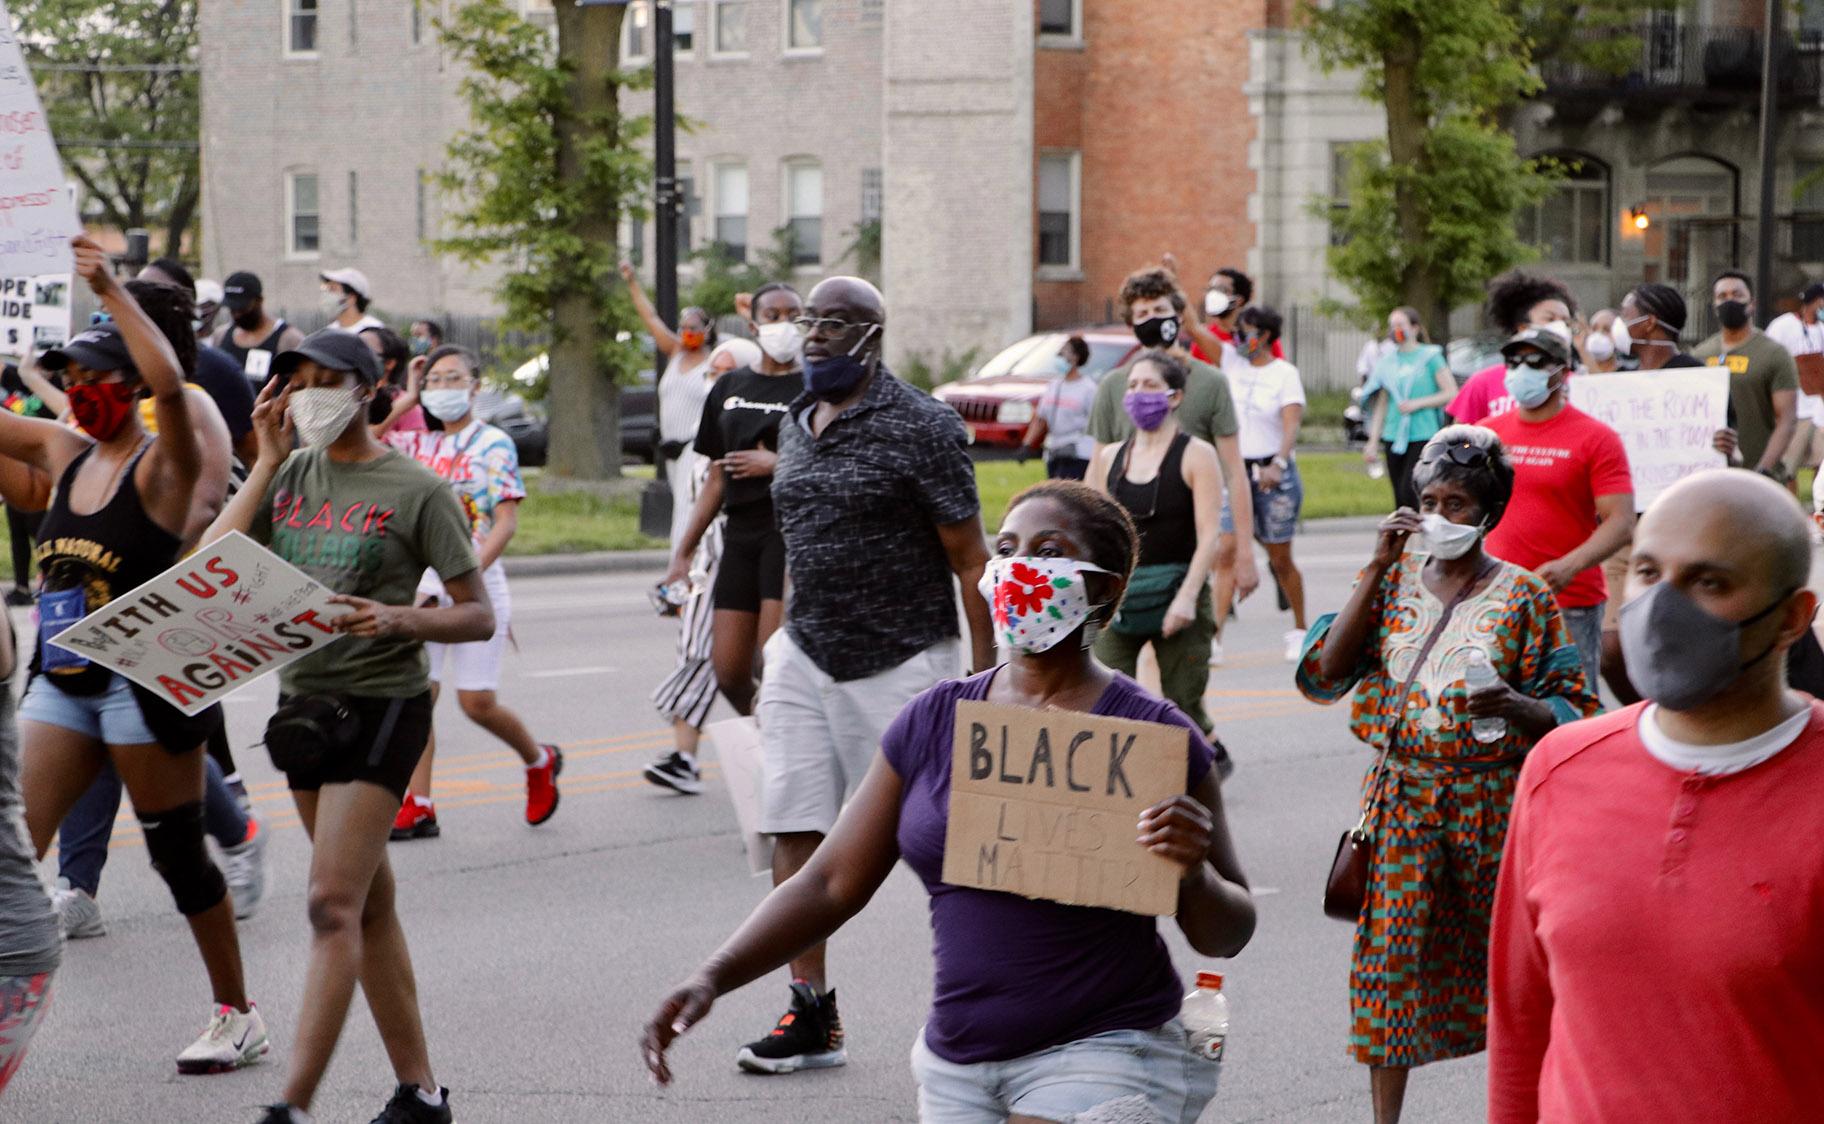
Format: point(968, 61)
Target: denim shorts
point(1121, 1075)
point(1275, 509)
point(111, 716)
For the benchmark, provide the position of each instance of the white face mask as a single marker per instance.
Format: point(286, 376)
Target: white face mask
point(781, 340)
point(1447, 540)
point(1037, 602)
point(321, 414)
point(1215, 303)
point(1599, 346)
point(445, 405)
point(1618, 334)
point(331, 303)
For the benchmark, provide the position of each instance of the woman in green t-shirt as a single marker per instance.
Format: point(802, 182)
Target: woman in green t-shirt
point(1410, 386)
point(366, 521)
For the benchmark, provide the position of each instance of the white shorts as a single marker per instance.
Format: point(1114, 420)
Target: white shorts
point(818, 737)
point(474, 666)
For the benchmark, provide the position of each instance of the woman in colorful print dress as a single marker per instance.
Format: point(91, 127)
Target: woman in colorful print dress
point(1437, 811)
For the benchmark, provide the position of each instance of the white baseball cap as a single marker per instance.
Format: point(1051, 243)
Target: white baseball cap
point(351, 279)
point(209, 292)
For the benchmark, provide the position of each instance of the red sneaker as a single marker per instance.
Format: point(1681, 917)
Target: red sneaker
point(417, 819)
point(541, 786)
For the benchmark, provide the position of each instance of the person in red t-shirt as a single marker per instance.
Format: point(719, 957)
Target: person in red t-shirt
point(1573, 500)
point(1657, 950)
point(1516, 299)
point(1229, 292)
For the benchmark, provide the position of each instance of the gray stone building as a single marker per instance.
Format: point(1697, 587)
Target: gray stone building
point(323, 119)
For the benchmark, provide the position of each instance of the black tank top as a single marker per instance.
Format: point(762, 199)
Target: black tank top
point(270, 345)
point(105, 554)
point(1162, 507)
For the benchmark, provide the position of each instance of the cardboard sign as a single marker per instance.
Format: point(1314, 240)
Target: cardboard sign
point(227, 615)
point(1811, 373)
point(37, 215)
point(34, 313)
point(737, 742)
point(1043, 804)
point(1666, 419)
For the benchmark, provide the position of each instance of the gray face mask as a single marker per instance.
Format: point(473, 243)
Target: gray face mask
point(1679, 654)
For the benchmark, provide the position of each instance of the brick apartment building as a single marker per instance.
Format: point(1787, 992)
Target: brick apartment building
point(1018, 158)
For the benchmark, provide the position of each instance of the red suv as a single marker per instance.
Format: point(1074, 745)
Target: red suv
point(997, 401)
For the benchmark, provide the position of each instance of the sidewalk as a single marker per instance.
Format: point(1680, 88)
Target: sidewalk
point(655, 561)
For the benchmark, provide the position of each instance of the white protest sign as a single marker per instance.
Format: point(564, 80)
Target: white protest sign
point(737, 742)
point(37, 215)
point(227, 615)
point(34, 313)
point(1043, 804)
point(1666, 419)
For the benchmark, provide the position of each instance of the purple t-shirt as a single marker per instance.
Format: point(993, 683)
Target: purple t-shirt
point(1016, 975)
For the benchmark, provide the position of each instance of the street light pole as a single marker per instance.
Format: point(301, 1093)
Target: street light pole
point(1770, 126)
point(665, 202)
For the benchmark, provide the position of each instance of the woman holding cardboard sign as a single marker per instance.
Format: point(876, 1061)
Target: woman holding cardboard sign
point(1436, 803)
point(116, 519)
point(1042, 1011)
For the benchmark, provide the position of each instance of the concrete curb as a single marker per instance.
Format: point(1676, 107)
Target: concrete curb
point(655, 561)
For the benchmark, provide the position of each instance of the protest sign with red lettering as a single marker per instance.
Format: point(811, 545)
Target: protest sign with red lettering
point(37, 215)
point(223, 617)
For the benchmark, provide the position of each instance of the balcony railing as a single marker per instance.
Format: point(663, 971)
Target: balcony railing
point(1697, 63)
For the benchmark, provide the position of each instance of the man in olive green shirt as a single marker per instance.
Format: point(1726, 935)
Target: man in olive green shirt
point(1154, 308)
point(1763, 380)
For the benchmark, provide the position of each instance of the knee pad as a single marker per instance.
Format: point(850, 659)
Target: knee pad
point(174, 840)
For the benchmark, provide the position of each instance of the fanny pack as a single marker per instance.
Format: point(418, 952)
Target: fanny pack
point(1149, 595)
point(672, 450)
point(305, 730)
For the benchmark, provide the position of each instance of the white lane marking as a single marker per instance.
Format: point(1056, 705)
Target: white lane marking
point(564, 672)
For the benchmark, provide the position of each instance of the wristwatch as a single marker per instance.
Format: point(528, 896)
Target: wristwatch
point(1281, 463)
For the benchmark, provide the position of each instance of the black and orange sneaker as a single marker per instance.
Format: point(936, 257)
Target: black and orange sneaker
point(808, 1036)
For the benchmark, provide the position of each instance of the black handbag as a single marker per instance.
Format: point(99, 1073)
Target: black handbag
point(305, 730)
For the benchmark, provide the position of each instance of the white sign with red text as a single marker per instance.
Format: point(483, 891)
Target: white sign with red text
point(223, 617)
point(37, 215)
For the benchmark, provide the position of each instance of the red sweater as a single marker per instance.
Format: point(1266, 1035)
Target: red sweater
point(1658, 939)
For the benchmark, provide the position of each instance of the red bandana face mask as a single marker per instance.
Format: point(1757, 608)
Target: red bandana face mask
point(101, 408)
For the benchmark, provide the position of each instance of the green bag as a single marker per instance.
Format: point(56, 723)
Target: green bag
point(1149, 595)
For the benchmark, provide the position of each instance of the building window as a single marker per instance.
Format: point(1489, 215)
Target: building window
point(1342, 160)
point(688, 208)
point(873, 195)
point(728, 27)
point(1059, 176)
point(683, 28)
point(1808, 211)
point(301, 214)
point(1061, 19)
point(804, 211)
point(730, 186)
point(873, 12)
point(417, 22)
point(300, 27)
point(634, 243)
point(1572, 226)
point(420, 217)
point(354, 227)
point(636, 34)
point(804, 25)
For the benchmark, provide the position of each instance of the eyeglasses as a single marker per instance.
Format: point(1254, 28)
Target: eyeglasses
point(1457, 452)
point(825, 326)
point(1537, 360)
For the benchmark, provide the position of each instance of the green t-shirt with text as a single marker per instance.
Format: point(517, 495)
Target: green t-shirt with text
point(1757, 368)
point(367, 529)
point(1207, 411)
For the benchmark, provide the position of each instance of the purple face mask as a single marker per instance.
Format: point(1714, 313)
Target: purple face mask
point(1148, 408)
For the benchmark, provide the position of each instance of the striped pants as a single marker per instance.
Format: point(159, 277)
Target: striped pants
point(690, 690)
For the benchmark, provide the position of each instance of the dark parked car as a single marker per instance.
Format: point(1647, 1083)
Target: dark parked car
point(996, 402)
point(509, 413)
point(639, 413)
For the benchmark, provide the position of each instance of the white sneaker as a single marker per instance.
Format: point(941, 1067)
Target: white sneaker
point(1216, 651)
point(244, 866)
point(231, 1040)
point(1295, 645)
point(77, 912)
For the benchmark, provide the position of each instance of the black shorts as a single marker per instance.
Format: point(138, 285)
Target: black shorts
point(381, 756)
point(753, 561)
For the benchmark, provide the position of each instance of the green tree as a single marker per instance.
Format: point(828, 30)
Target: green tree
point(539, 181)
point(119, 84)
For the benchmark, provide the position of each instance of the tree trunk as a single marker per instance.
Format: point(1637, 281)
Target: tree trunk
point(177, 219)
point(1408, 125)
point(584, 400)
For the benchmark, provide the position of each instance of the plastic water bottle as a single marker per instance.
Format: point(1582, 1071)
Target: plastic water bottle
point(1481, 673)
point(1377, 468)
point(1205, 1016)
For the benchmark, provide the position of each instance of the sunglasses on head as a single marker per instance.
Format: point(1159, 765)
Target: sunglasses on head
point(1459, 452)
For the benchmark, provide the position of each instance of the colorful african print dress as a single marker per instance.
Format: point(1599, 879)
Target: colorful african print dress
point(1418, 979)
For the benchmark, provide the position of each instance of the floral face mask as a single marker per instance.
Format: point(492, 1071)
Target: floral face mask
point(1037, 602)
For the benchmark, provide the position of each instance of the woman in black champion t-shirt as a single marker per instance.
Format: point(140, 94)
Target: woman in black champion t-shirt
point(739, 435)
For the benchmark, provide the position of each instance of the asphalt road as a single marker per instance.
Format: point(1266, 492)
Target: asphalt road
point(540, 952)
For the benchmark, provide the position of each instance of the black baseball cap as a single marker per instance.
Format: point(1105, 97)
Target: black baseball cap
point(1812, 292)
point(333, 348)
point(240, 290)
point(1555, 344)
point(99, 348)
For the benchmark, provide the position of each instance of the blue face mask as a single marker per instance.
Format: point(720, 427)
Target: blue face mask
point(1529, 386)
point(833, 377)
point(1060, 365)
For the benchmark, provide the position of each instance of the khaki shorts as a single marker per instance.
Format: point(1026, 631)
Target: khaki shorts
point(1807, 446)
point(1615, 572)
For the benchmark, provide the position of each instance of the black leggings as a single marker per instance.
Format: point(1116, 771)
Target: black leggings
point(221, 751)
point(1399, 473)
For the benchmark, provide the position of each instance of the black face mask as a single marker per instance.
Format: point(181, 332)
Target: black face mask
point(247, 321)
point(1732, 314)
point(1160, 331)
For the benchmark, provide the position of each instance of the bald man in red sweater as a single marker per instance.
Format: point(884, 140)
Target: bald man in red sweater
point(1657, 946)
